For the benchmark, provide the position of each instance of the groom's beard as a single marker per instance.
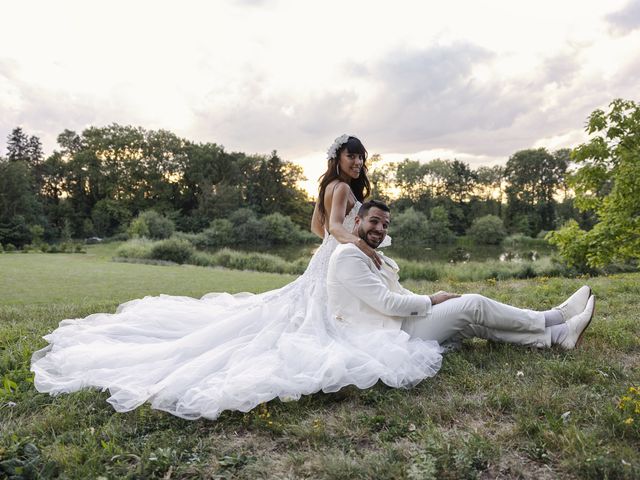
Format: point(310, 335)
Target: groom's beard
point(372, 242)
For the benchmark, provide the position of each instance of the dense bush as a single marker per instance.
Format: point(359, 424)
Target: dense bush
point(245, 228)
point(488, 230)
point(136, 248)
point(280, 230)
point(409, 227)
point(15, 232)
point(571, 243)
point(412, 227)
point(219, 234)
point(109, 217)
point(153, 225)
point(172, 250)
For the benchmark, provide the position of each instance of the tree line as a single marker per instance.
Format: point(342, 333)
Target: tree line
point(106, 180)
point(529, 194)
point(97, 182)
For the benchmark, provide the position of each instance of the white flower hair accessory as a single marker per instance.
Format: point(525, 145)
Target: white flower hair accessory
point(335, 146)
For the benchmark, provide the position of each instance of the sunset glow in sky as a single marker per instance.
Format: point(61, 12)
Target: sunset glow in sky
point(470, 80)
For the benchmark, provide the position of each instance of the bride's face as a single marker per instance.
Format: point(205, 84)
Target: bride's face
point(373, 227)
point(350, 163)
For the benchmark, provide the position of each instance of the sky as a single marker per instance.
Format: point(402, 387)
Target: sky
point(467, 80)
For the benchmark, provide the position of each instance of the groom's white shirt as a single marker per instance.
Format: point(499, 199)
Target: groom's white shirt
point(360, 295)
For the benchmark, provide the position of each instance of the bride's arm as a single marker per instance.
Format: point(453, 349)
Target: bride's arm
point(336, 220)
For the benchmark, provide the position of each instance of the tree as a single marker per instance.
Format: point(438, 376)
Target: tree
point(488, 230)
point(489, 189)
point(534, 176)
point(152, 225)
point(70, 142)
point(608, 184)
point(19, 205)
point(109, 217)
point(460, 181)
point(272, 186)
point(17, 145)
point(21, 147)
point(382, 177)
point(412, 227)
point(209, 183)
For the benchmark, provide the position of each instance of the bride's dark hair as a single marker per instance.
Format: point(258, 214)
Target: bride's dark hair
point(359, 186)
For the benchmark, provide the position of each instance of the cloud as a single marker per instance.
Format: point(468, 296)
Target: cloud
point(432, 99)
point(626, 19)
point(45, 112)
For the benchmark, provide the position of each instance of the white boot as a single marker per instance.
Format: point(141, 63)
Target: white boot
point(575, 304)
point(577, 325)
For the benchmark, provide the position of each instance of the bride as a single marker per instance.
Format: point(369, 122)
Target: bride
point(198, 357)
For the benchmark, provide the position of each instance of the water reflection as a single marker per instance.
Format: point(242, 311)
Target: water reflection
point(510, 256)
point(439, 253)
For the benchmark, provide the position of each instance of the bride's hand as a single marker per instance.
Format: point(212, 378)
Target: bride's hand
point(369, 252)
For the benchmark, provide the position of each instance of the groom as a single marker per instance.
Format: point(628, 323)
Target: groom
point(362, 296)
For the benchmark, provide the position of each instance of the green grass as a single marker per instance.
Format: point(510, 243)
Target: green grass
point(493, 411)
point(36, 278)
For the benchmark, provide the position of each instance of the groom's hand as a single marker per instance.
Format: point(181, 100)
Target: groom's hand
point(441, 296)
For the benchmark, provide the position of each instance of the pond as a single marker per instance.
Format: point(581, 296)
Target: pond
point(457, 252)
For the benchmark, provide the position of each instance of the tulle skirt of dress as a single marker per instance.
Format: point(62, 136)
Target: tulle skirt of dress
point(198, 357)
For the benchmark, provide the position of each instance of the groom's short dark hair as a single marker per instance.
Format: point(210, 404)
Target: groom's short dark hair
point(366, 206)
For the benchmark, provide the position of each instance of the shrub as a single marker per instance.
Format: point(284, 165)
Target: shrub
point(109, 216)
point(488, 230)
point(438, 227)
point(279, 230)
point(410, 227)
point(518, 240)
point(260, 262)
point(153, 225)
point(572, 245)
point(219, 234)
point(247, 229)
point(138, 228)
point(172, 250)
point(119, 237)
point(37, 231)
point(10, 247)
point(16, 232)
point(136, 248)
point(417, 271)
point(1, 248)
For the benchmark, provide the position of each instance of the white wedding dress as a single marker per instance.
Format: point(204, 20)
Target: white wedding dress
point(198, 357)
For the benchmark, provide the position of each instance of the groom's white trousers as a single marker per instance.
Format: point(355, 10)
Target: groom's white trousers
point(474, 315)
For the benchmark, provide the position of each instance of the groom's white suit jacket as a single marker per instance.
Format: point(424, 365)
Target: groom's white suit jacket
point(360, 295)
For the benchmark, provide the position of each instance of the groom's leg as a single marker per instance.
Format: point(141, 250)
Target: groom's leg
point(478, 316)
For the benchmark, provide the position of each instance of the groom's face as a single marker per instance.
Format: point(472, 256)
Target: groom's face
point(373, 227)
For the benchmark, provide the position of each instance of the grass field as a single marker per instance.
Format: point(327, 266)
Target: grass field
point(494, 411)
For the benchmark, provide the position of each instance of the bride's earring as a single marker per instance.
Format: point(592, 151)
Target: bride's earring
point(337, 168)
